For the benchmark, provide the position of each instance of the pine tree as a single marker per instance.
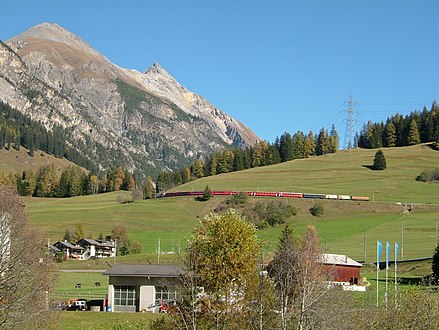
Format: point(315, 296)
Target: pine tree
point(333, 140)
point(413, 134)
point(310, 145)
point(379, 162)
point(286, 147)
point(322, 143)
point(390, 138)
point(298, 143)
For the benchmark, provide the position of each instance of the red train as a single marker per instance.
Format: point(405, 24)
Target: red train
point(265, 194)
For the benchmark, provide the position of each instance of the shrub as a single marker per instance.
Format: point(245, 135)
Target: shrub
point(317, 210)
point(206, 195)
point(239, 198)
point(429, 175)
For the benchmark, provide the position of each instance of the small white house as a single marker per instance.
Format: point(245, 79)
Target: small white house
point(142, 288)
point(97, 248)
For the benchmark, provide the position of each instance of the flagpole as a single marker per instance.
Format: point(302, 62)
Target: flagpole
point(387, 270)
point(396, 270)
point(378, 267)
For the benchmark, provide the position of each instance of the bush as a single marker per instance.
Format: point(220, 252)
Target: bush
point(206, 195)
point(429, 175)
point(317, 210)
point(122, 199)
point(239, 198)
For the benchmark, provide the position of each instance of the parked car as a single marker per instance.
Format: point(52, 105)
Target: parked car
point(77, 305)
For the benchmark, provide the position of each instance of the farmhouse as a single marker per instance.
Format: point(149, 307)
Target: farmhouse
point(142, 288)
point(343, 270)
point(86, 248)
point(70, 250)
point(97, 248)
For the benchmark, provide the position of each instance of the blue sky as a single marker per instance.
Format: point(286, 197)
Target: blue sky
point(277, 66)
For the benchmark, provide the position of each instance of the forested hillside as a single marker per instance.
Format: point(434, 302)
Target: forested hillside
point(262, 153)
point(397, 131)
point(18, 130)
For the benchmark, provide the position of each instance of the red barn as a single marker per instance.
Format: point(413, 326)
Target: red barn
point(341, 268)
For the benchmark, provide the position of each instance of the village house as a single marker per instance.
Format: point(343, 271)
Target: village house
point(142, 288)
point(87, 248)
point(72, 251)
point(97, 248)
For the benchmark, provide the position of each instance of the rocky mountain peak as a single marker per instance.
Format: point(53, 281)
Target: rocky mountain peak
point(110, 113)
point(55, 43)
point(156, 70)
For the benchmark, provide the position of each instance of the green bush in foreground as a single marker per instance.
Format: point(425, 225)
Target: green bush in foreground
point(317, 210)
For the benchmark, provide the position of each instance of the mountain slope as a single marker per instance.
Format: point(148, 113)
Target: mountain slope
point(147, 121)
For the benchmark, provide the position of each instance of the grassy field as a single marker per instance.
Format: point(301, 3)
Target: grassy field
point(347, 227)
point(105, 321)
point(342, 173)
point(16, 161)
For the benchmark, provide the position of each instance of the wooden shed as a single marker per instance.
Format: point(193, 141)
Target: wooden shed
point(341, 268)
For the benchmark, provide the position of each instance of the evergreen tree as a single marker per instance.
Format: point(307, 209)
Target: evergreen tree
point(413, 134)
point(286, 147)
point(334, 140)
point(46, 182)
point(274, 153)
point(238, 160)
point(379, 162)
point(310, 145)
point(390, 138)
point(322, 143)
point(298, 144)
point(207, 194)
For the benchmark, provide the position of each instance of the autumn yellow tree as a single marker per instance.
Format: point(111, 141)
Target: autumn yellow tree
point(224, 253)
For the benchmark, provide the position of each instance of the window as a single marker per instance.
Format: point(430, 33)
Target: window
point(125, 295)
point(165, 294)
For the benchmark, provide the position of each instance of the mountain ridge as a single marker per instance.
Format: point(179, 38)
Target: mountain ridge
point(148, 120)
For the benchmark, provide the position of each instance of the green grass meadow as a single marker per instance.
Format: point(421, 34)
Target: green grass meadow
point(347, 227)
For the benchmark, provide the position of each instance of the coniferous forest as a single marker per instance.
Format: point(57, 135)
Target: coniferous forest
point(397, 131)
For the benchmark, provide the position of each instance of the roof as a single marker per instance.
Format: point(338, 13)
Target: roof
point(339, 259)
point(53, 248)
point(154, 270)
point(69, 245)
point(90, 241)
point(101, 243)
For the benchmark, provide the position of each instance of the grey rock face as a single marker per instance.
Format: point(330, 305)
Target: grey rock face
point(146, 121)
